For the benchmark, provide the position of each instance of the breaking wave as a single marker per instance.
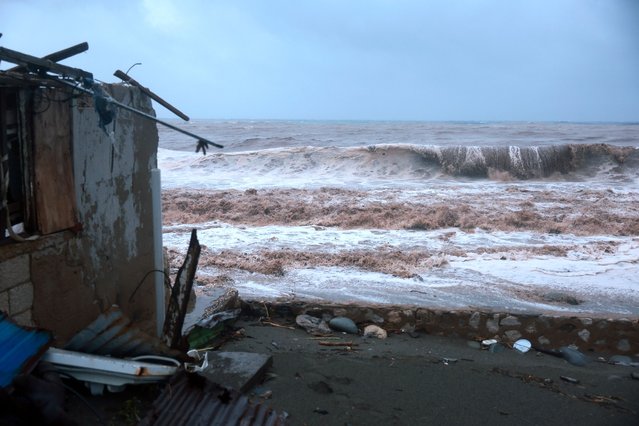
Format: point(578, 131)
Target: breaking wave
point(409, 161)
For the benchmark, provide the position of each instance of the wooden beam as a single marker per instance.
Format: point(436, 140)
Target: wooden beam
point(180, 294)
point(33, 63)
point(57, 56)
point(124, 77)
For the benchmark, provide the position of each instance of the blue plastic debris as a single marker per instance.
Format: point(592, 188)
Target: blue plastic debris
point(20, 349)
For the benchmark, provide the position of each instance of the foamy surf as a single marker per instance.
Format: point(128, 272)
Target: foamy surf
point(397, 164)
point(492, 217)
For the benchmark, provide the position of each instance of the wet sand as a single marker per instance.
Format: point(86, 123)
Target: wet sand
point(428, 379)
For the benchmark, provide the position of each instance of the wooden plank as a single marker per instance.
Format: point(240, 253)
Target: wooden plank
point(53, 167)
point(57, 56)
point(42, 65)
point(180, 294)
point(124, 77)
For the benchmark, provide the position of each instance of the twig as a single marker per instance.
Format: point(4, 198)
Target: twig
point(288, 327)
point(325, 343)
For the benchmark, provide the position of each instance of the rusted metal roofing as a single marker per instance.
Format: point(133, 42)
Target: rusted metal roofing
point(112, 333)
point(20, 349)
point(191, 399)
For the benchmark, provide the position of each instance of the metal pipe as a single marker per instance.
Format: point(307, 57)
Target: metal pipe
point(158, 251)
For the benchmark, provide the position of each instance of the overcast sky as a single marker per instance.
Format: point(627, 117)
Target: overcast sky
point(547, 60)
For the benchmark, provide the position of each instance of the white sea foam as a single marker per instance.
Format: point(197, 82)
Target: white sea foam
point(419, 163)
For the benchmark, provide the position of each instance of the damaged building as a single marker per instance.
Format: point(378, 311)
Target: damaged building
point(80, 220)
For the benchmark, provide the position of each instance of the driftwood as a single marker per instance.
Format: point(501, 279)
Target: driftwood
point(180, 294)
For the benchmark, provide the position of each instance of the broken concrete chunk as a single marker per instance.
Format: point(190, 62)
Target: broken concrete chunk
point(344, 324)
point(312, 324)
point(236, 370)
point(375, 331)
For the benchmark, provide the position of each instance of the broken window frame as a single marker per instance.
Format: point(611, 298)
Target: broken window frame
point(16, 153)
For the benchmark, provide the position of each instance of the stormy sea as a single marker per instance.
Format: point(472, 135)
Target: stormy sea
point(528, 217)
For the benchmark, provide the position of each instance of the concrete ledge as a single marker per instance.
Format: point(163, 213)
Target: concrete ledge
point(602, 335)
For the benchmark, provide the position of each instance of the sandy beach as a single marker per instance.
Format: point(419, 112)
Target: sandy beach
point(426, 379)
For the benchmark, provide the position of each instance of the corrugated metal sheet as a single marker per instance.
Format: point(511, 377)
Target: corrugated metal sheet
point(112, 333)
point(194, 400)
point(20, 349)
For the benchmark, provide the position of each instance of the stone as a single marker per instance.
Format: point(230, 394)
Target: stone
point(543, 340)
point(21, 298)
point(408, 313)
point(635, 375)
point(623, 345)
point(584, 334)
point(375, 331)
point(512, 335)
point(312, 324)
point(509, 321)
point(586, 321)
point(573, 356)
point(14, 271)
point(493, 324)
point(344, 324)
point(474, 320)
point(373, 317)
point(394, 317)
point(620, 360)
point(4, 301)
point(236, 370)
point(531, 328)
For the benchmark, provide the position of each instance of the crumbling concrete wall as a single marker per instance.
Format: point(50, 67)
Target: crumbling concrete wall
point(63, 281)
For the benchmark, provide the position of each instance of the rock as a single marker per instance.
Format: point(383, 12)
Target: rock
point(512, 335)
point(375, 331)
point(312, 324)
point(394, 317)
point(573, 356)
point(493, 324)
point(635, 375)
point(584, 335)
point(474, 320)
point(496, 348)
point(509, 321)
point(620, 360)
point(586, 321)
point(343, 324)
point(373, 317)
point(543, 340)
point(623, 345)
